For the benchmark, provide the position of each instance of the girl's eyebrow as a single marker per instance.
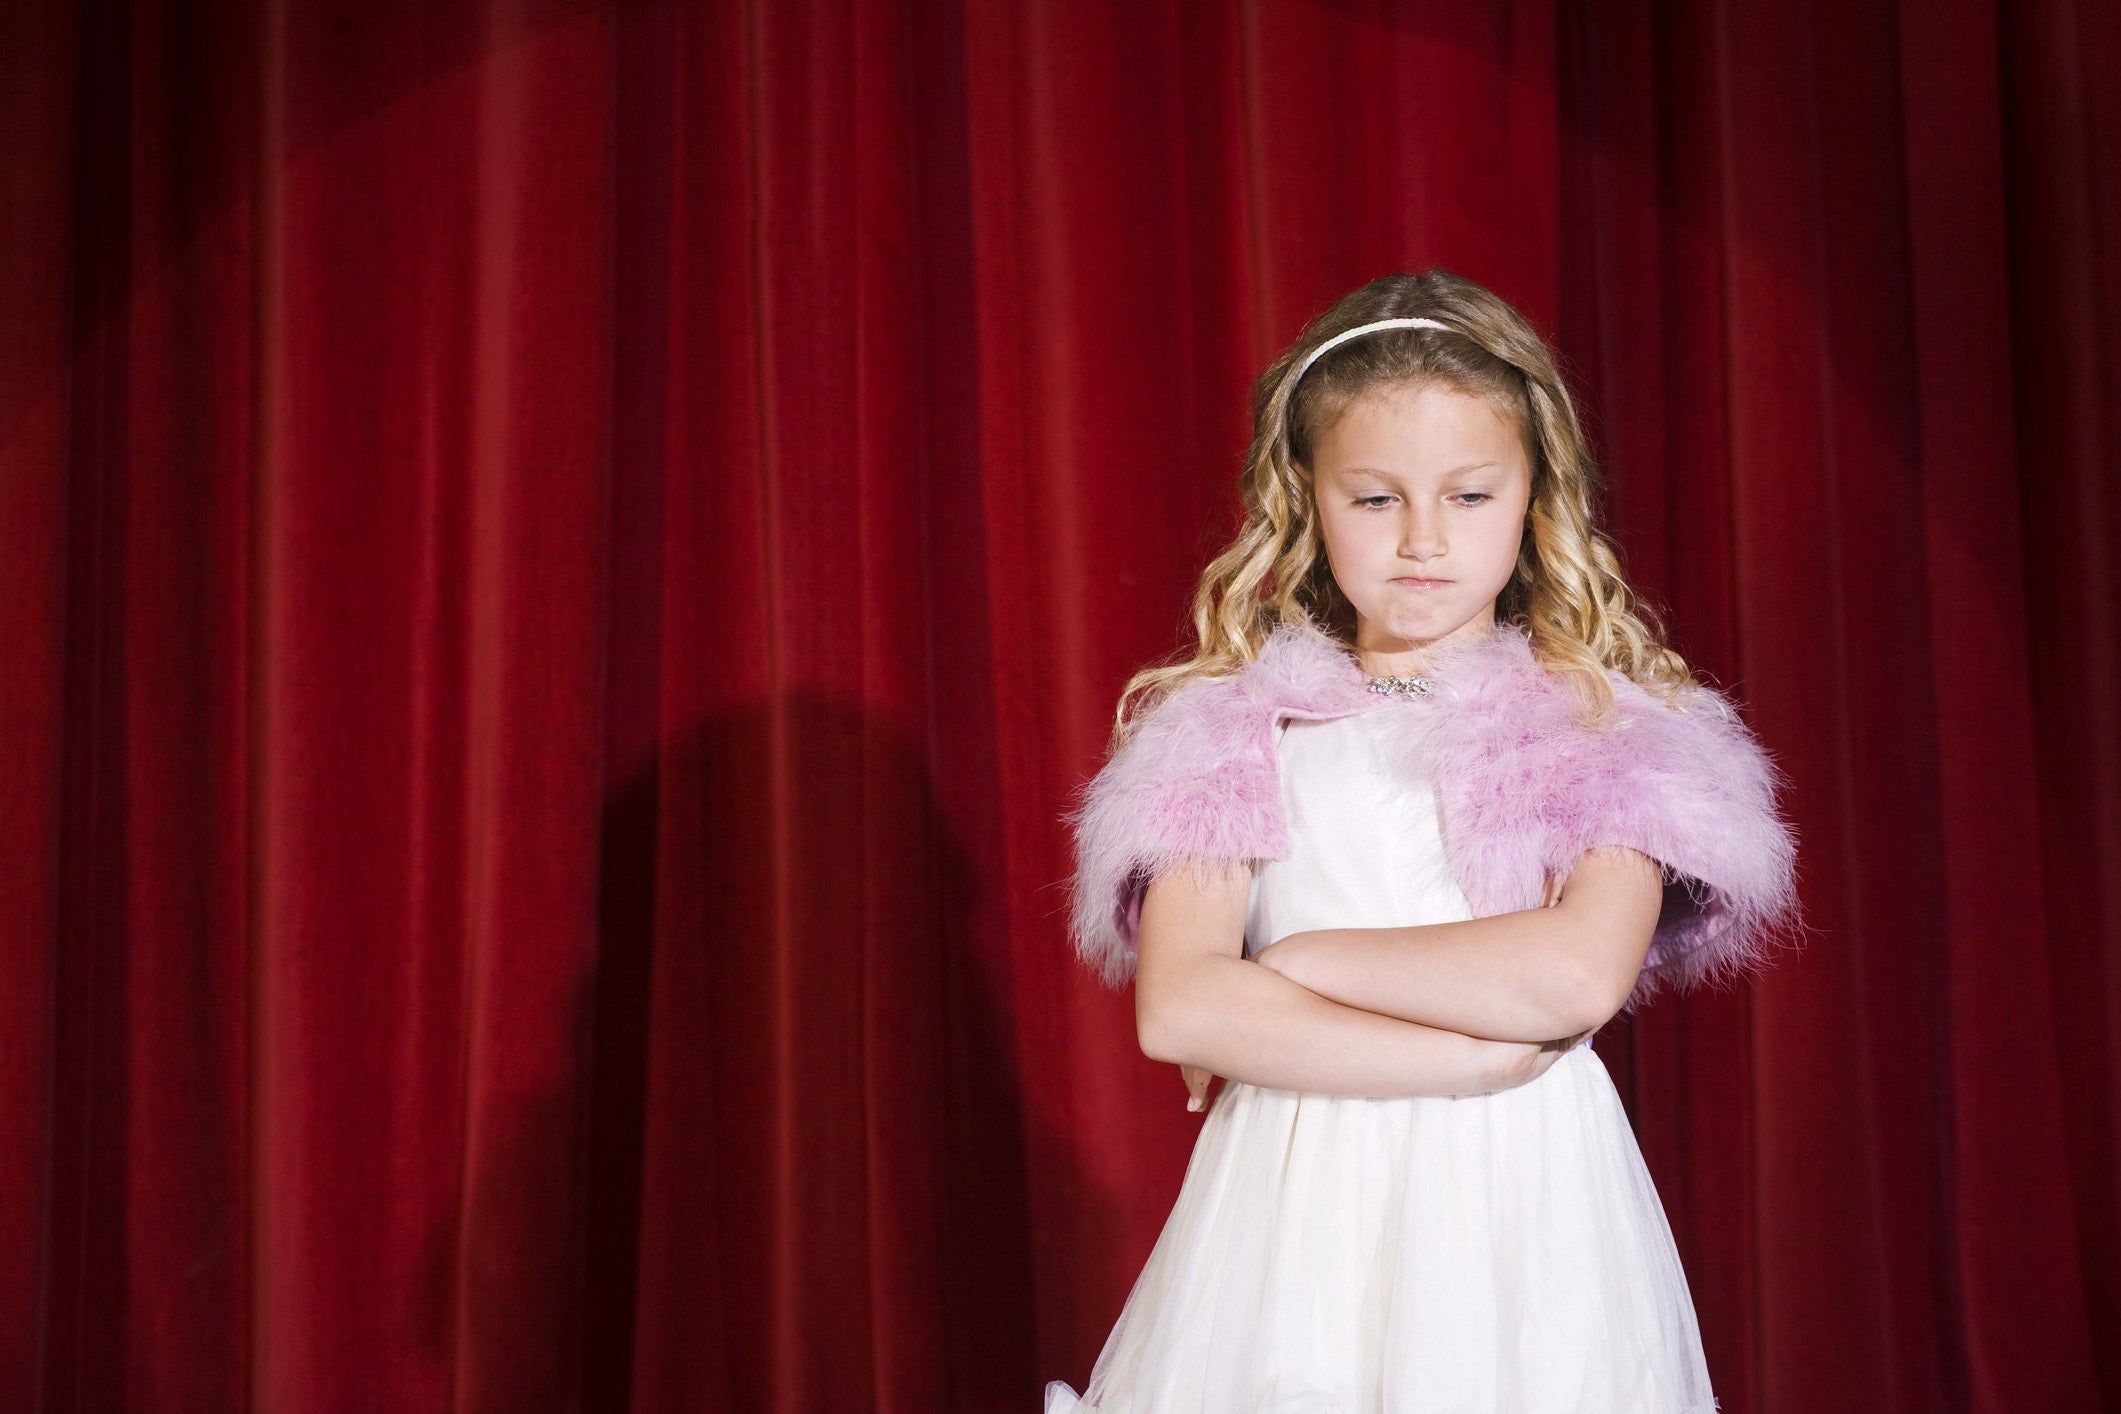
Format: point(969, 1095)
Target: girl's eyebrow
point(1388, 476)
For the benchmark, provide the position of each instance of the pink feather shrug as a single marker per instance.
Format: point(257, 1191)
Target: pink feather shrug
point(1522, 788)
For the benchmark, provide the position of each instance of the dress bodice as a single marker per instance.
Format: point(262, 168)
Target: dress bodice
point(1365, 847)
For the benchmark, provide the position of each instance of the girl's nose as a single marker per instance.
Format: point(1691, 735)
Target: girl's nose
point(1421, 536)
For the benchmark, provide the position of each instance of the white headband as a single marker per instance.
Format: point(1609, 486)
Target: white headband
point(1344, 335)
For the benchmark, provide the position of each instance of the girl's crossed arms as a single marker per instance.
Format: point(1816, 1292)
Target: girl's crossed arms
point(1563, 968)
point(1506, 987)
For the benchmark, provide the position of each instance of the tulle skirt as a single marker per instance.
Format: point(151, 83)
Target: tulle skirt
point(1335, 1255)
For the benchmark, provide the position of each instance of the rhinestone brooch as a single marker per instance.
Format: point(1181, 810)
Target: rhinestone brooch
point(1413, 687)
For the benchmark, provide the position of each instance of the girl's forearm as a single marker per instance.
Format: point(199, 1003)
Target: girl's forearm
point(1508, 977)
point(1231, 1016)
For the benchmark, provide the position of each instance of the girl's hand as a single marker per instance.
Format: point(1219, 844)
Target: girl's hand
point(1552, 895)
point(1522, 1062)
point(1197, 1083)
point(1566, 1043)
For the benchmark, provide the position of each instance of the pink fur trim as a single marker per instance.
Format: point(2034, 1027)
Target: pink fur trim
point(1523, 790)
point(1198, 781)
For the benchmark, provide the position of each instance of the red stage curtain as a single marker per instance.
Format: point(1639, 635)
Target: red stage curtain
point(560, 562)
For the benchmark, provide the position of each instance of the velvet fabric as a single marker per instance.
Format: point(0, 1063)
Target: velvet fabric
point(561, 561)
point(1523, 785)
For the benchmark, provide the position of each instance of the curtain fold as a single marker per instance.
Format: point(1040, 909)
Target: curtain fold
point(559, 563)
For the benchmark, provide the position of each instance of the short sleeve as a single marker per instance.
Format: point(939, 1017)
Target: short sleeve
point(1693, 789)
point(1196, 781)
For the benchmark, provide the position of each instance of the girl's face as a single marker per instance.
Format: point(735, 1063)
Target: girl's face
point(1421, 495)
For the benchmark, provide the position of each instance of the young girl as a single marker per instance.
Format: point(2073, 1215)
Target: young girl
point(1428, 805)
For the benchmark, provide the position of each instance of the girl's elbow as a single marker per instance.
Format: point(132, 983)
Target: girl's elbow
point(1151, 1032)
point(1159, 1022)
point(1598, 991)
point(1592, 1006)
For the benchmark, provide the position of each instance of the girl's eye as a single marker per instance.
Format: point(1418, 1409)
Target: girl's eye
point(1378, 502)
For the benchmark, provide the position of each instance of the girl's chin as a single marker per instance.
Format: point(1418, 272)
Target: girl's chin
point(1398, 623)
point(1426, 622)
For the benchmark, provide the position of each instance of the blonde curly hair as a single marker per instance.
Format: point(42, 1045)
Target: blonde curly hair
point(1567, 591)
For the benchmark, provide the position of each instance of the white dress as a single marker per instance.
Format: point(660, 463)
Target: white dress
point(1400, 1255)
